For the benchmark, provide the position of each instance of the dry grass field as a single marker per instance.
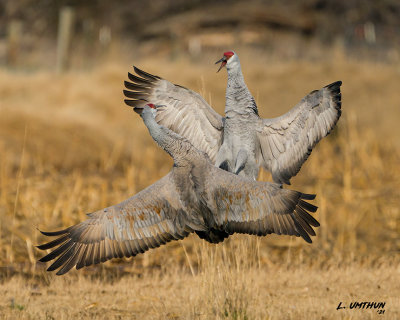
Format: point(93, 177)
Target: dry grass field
point(69, 145)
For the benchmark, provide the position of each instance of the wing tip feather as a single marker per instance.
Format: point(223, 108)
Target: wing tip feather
point(334, 85)
point(307, 196)
point(55, 233)
point(145, 74)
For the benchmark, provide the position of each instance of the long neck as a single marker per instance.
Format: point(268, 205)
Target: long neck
point(238, 97)
point(176, 146)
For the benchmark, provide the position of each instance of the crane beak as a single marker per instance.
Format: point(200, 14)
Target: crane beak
point(223, 63)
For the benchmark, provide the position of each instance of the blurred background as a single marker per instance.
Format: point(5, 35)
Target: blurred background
point(69, 145)
point(89, 31)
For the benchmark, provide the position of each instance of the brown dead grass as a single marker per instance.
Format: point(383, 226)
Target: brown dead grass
point(231, 281)
point(68, 146)
point(215, 293)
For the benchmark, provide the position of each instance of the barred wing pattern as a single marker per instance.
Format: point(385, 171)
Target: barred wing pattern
point(287, 141)
point(147, 220)
point(260, 208)
point(182, 110)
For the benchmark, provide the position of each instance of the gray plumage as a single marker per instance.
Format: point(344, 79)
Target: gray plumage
point(242, 141)
point(180, 110)
point(195, 196)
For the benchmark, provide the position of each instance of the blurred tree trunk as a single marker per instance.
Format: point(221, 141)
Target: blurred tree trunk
point(65, 28)
point(14, 33)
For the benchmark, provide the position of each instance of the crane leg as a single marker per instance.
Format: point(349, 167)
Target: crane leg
point(224, 159)
point(224, 166)
point(241, 160)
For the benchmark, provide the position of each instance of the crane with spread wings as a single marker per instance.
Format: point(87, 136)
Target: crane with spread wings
point(241, 142)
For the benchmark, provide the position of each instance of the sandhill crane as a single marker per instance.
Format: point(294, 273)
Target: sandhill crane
point(240, 142)
point(195, 196)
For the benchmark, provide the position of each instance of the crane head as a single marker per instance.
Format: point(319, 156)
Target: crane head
point(140, 110)
point(224, 59)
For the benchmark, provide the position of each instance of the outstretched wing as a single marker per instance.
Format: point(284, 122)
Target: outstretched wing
point(147, 220)
point(246, 206)
point(287, 141)
point(184, 111)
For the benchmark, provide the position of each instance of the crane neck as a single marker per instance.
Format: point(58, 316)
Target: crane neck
point(177, 147)
point(238, 97)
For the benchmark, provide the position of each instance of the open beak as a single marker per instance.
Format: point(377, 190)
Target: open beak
point(223, 63)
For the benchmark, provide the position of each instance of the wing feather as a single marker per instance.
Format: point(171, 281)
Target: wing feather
point(246, 206)
point(287, 141)
point(146, 220)
point(183, 111)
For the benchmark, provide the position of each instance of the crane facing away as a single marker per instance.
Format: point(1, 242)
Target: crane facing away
point(195, 196)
